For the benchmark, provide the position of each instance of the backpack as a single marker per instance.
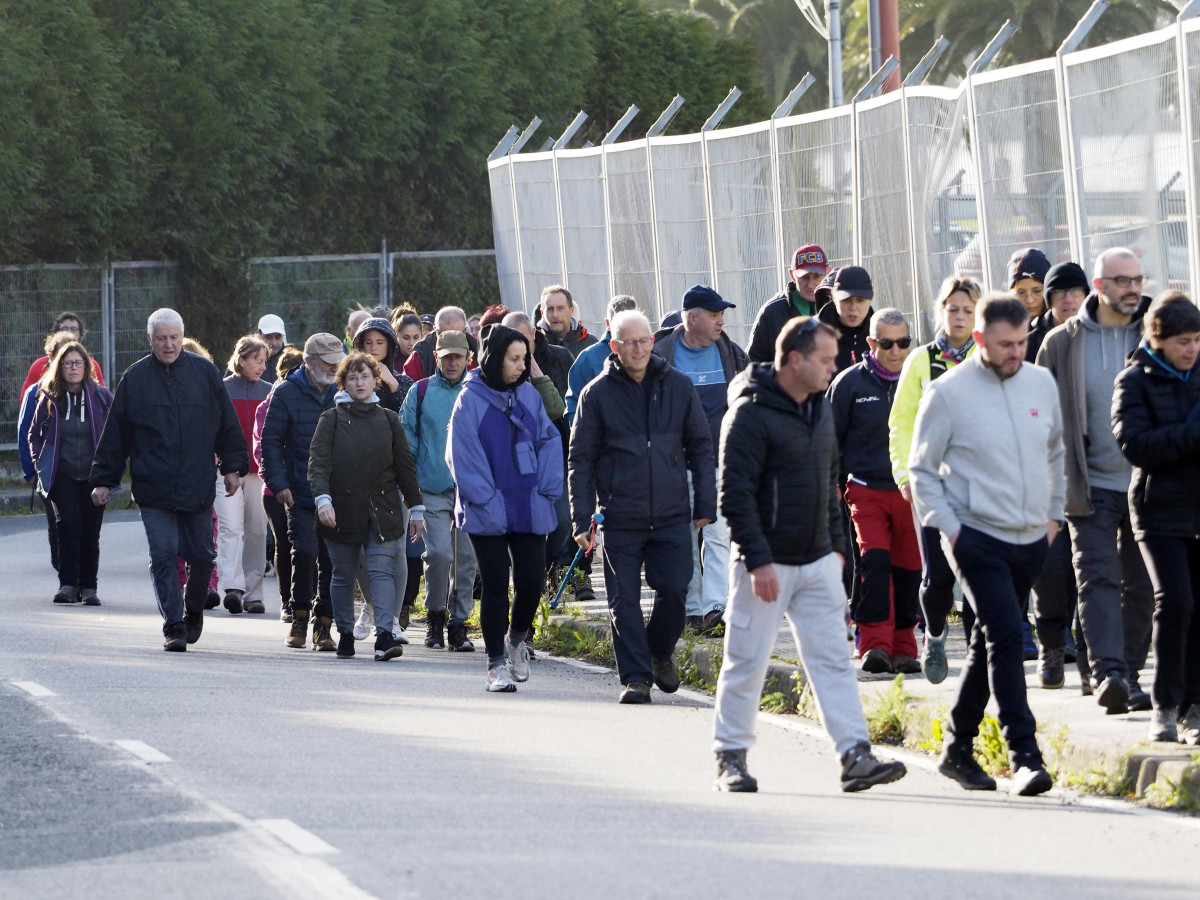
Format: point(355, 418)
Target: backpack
point(422, 388)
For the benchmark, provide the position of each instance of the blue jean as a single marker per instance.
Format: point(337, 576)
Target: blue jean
point(170, 535)
point(383, 559)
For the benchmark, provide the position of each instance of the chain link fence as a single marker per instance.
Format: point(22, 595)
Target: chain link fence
point(1072, 155)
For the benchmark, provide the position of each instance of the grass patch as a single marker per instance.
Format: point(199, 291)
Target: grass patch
point(889, 713)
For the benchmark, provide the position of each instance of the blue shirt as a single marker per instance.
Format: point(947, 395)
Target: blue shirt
point(707, 375)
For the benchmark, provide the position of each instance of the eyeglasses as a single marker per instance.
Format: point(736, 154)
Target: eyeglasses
point(638, 343)
point(1124, 281)
point(72, 363)
point(888, 343)
point(74, 329)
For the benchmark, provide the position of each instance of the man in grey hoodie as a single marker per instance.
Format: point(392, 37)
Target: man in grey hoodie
point(986, 470)
point(1116, 601)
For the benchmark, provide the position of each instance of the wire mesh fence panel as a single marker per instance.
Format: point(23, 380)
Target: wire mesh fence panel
point(1192, 61)
point(681, 215)
point(537, 211)
point(429, 280)
point(945, 219)
point(585, 239)
point(742, 188)
point(883, 201)
point(1021, 161)
point(1130, 154)
point(314, 293)
point(504, 232)
point(30, 299)
point(138, 289)
point(631, 228)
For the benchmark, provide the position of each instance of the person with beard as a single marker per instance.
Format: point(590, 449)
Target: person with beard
point(849, 314)
point(558, 321)
point(505, 457)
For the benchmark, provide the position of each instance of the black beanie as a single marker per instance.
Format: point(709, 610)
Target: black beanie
point(1063, 277)
point(1027, 263)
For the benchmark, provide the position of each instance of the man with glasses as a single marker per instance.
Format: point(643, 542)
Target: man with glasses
point(639, 429)
point(296, 404)
point(1116, 601)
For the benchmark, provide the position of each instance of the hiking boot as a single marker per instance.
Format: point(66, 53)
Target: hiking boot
point(88, 597)
point(175, 639)
point(233, 601)
point(666, 675)
point(635, 692)
point(398, 631)
point(1030, 781)
point(905, 664)
point(1189, 726)
point(213, 601)
point(298, 633)
point(456, 635)
point(499, 679)
point(1139, 700)
point(322, 638)
point(194, 622)
point(933, 658)
point(254, 606)
point(861, 769)
point(961, 766)
point(583, 587)
point(66, 594)
point(1113, 694)
point(345, 647)
point(877, 661)
point(732, 775)
point(1163, 725)
point(518, 659)
point(285, 614)
point(713, 623)
point(435, 623)
point(1050, 668)
point(1069, 654)
point(1030, 651)
point(365, 623)
point(387, 647)
point(696, 623)
point(404, 618)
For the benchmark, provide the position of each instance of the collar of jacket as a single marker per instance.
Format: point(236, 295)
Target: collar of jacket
point(654, 369)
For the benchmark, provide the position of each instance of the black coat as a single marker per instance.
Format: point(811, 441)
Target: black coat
point(1038, 329)
point(287, 434)
point(861, 401)
point(632, 446)
point(170, 422)
point(779, 473)
point(554, 360)
point(771, 318)
point(852, 342)
point(1156, 421)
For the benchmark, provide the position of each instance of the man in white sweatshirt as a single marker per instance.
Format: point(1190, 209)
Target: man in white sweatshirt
point(986, 469)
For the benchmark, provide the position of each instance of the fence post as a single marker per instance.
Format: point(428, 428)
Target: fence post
point(917, 318)
point(108, 321)
point(512, 186)
point(558, 210)
point(708, 214)
point(1186, 121)
point(658, 281)
point(855, 187)
point(980, 186)
point(608, 238)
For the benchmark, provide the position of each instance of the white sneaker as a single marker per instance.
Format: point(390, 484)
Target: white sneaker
point(499, 680)
point(518, 659)
point(365, 623)
point(397, 631)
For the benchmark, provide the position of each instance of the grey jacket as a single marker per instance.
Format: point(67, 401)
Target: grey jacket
point(988, 453)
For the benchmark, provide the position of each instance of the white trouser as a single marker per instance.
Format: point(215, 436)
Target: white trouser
point(812, 598)
point(241, 537)
point(710, 572)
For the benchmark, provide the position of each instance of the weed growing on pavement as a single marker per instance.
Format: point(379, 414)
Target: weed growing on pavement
point(779, 699)
point(888, 714)
point(927, 729)
point(566, 639)
point(699, 662)
point(990, 749)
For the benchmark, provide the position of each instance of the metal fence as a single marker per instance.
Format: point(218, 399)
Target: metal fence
point(311, 293)
point(1075, 154)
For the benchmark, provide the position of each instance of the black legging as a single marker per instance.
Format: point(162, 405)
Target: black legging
point(277, 516)
point(496, 555)
point(78, 532)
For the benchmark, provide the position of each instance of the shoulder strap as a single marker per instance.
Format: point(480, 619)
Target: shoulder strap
point(937, 365)
point(422, 389)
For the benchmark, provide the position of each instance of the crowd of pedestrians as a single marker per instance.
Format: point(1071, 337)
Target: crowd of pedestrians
point(1039, 452)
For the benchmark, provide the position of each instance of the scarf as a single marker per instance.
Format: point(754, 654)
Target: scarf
point(880, 372)
point(943, 342)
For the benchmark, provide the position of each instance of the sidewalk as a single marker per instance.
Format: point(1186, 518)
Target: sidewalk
point(1075, 734)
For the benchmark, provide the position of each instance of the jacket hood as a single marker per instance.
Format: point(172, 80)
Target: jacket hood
point(384, 327)
point(494, 341)
point(758, 382)
point(342, 397)
point(1087, 312)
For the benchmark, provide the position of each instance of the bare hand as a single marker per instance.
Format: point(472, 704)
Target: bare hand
point(100, 496)
point(327, 516)
point(700, 523)
point(535, 371)
point(906, 492)
point(388, 379)
point(1052, 529)
point(416, 528)
point(583, 539)
point(233, 481)
point(765, 583)
point(285, 498)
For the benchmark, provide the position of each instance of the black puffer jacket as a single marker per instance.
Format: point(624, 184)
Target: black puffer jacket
point(779, 473)
point(770, 320)
point(287, 434)
point(632, 446)
point(1156, 421)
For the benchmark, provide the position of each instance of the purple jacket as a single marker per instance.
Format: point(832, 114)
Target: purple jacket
point(43, 432)
point(506, 459)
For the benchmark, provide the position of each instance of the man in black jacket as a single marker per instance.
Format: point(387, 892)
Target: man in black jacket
point(639, 429)
point(170, 417)
point(809, 267)
point(779, 474)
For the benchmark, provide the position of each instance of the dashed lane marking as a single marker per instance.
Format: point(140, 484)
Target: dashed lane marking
point(33, 689)
point(294, 836)
point(143, 751)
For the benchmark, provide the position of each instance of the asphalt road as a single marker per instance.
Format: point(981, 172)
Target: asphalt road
point(287, 773)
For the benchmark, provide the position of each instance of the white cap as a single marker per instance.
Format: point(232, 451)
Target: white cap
point(271, 324)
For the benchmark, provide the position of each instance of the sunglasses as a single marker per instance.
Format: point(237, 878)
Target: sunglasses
point(888, 343)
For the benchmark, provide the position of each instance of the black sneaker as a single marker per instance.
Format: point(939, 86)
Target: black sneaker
point(1029, 782)
point(66, 594)
point(961, 766)
point(861, 770)
point(876, 661)
point(194, 622)
point(1050, 668)
point(387, 647)
point(233, 602)
point(456, 637)
point(175, 639)
point(1113, 694)
point(88, 597)
point(345, 647)
point(213, 601)
point(666, 675)
point(435, 630)
point(635, 692)
point(732, 774)
point(1139, 700)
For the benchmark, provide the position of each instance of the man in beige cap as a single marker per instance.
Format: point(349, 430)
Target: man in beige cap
point(296, 405)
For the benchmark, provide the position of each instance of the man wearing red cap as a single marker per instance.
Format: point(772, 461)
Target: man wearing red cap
point(809, 266)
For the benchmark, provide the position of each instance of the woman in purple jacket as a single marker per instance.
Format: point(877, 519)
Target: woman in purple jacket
point(506, 459)
point(67, 421)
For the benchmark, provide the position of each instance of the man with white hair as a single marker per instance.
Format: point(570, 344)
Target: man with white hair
point(639, 429)
point(170, 417)
point(421, 362)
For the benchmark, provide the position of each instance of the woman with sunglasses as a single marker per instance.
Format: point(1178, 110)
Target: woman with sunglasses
point(952, 343)
point(67, 421)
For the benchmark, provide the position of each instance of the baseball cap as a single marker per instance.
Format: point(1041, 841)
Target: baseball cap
point(810, 258)
point(1027, 263)
point(852, 281)
point(824, 290)
point(427, 319)
point(701, 296)
point(451, 342)
point(325, 347)
point(271, 324)
point(1064, 276)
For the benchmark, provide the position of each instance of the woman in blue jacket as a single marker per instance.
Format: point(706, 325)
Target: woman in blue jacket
point(68, 417)
point(506, 459)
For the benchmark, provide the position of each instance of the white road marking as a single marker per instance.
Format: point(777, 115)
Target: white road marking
point(143, 751)
point(579, 664)
point(296, 837)
point(34, 689)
